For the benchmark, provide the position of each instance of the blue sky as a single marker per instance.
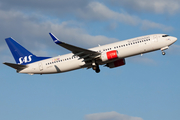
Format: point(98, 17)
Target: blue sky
point(146, 88)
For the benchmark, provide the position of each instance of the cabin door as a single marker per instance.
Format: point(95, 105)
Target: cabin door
point(155, 38)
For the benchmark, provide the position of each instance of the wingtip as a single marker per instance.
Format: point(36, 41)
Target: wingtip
point(53, 36)
point(55, 39)
point(9, 38)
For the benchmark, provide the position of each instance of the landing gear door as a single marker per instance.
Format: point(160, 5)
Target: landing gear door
point(40, 66)
point(155, 38)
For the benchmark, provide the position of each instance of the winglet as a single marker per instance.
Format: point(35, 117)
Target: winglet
point(55, 39)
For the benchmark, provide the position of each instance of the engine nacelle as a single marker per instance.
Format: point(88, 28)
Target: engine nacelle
point(109, 55)
point(117, 63)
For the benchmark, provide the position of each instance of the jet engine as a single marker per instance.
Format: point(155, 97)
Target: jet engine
point(110, 55)
point(117, 63)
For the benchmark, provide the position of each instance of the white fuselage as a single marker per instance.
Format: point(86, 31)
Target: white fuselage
point(126, 48)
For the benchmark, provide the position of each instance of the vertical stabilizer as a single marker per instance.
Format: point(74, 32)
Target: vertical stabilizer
point(21, 55)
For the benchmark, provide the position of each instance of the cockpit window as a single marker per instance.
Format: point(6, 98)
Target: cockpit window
point(165, 35)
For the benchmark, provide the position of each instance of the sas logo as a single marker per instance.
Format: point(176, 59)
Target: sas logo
point(26, 59)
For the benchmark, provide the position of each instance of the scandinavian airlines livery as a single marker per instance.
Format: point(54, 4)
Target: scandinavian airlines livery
point(111, 55)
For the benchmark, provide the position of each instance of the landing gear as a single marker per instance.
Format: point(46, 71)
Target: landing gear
point(164, 48)
point(95, 67)
point(163, 53)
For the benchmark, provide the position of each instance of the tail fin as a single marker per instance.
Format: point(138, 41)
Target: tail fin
point(21, 55)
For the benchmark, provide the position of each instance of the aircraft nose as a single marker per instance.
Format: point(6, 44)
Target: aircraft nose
point(174, 39)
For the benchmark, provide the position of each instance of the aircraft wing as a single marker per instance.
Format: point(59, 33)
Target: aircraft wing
point(77, 51)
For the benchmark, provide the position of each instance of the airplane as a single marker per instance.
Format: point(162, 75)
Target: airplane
point(111, 55)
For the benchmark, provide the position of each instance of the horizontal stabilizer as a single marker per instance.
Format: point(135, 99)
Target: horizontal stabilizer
point(16, 66)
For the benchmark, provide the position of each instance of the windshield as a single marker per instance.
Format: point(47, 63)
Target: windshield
point(165, 35)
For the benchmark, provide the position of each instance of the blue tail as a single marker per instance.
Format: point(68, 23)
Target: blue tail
point(21, 55)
